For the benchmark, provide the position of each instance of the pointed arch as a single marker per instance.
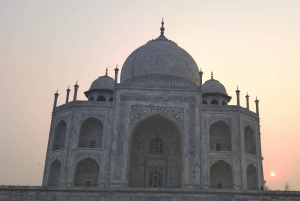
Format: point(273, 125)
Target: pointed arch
point(204, 102)
point(224, 103)
point(91, 132)
point(101, 98)
point(221, 175)
point(86, 173)
point(54, 173)
point(111, 99)
point(252, 177)
point(59, 136)
point(220, 137)
point(91, 98)
point(250, 142)
point(214, 102)
point(155, 146)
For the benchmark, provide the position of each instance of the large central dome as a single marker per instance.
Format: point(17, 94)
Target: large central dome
point(160, 57)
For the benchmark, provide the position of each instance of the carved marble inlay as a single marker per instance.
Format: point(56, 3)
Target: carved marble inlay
point(212, 160)
point(215, 119)
point(158, 81)
point(96, 157)
point(139, 112)
point(246, 123)
point(248, 162)
point(83, 117)
point(59, 157)
point(64, 118)
point(118, 154)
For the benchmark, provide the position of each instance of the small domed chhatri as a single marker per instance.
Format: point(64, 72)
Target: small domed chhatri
point(214, 92)
point(160, 57)
point(101, 89)
point(103, 82)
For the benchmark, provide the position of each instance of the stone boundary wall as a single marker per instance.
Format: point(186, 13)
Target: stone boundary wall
point(37, 193)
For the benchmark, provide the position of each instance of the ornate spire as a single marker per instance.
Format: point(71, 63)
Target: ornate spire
point(106, 71)
point(162, 29)
point(212, 75)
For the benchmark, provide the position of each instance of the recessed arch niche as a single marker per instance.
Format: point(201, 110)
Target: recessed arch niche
point(221, 175)
point(252, 177)
point(54, 173)
point(91, 132)
point(59, 136)
point(155, 152)
point(220, 137)
point(250, 142)
point(86, 173)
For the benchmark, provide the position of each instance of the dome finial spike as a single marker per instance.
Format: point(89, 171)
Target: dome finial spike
point(212, 75)
point(162, 29)
point(106, 71)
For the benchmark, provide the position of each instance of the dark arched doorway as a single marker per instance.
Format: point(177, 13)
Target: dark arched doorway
point(59, 136)
point(220, 137)
point(221, 175)
point(250, 142)
point(87, 173)
point(155, 157)
point(90, 133)
point(54, 173)
point(252, 177)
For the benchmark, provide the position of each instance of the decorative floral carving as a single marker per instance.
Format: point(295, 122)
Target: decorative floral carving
point(96, 157)
point(248, 162)
point(138, 112)
point(215, 119)
point(212, 160)
point(58, 157)
point(118, 153)
point(158, 81)
point(58, 119)
point(83, 117)
point(246, 123)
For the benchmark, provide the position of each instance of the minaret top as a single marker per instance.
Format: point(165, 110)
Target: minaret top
point(106, 72)
point(212, 75)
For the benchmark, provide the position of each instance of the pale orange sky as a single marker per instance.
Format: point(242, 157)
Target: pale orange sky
point(48, 45)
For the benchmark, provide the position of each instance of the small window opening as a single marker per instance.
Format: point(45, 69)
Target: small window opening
point(93, 144)
point(214, 102)
point(111, 99)
point(91, 98)
point(204, 102)
point(157, 146)
point(219, 186)
point(223, 103)
point(155, 179)
point(101, 98)
point(88, 183)
point(218, 147)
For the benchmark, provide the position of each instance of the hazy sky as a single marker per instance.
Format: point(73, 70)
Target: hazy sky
point(48, 45)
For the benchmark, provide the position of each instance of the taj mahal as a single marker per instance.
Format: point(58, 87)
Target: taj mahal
point(161, 133)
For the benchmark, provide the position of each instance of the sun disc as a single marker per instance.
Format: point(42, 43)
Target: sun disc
point(272, 174)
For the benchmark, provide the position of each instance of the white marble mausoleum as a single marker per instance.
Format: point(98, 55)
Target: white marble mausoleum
point(161, 133)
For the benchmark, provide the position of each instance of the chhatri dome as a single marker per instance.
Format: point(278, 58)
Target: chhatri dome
point(161, 57)
point(103, 82)
point(213, 86)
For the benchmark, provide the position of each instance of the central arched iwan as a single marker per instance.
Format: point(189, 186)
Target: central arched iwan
point(155, 153)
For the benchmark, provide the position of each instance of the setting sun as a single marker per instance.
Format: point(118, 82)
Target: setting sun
point(272, 174)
